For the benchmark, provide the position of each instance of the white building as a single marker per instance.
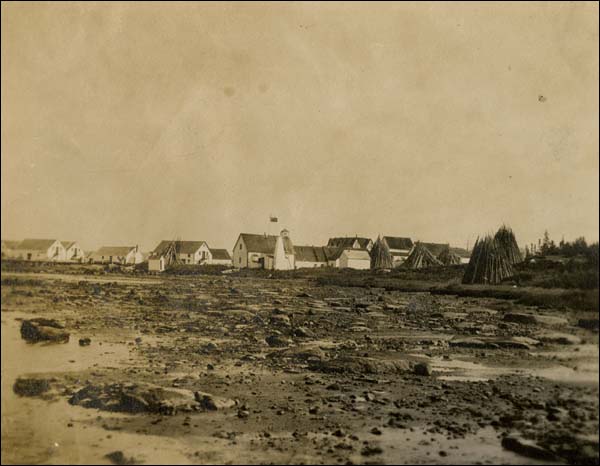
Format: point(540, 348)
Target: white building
point(41, 250)
point(220, 257)
point(186, 253)
point(73, 252)
point(9, 248)
point(264, 251)
point(117, 255)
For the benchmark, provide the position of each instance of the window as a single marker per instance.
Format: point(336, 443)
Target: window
point(239, 260)
point(240, 246)
point(189, 255)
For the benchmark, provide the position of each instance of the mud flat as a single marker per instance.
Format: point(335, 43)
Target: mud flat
point(217, 369)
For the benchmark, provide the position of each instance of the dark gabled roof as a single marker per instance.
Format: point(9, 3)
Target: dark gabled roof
point(435, 248)
point(347, 242)
point(397, 242)
point(118, 251)
point(67, 244)
point(220, 254)
point(265, 244)
point(316, 253)
point(182, 247)
point(36, 244)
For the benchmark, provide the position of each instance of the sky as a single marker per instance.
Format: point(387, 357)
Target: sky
point(129, 123)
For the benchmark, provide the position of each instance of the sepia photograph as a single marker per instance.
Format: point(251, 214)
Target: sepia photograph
point(300, 232)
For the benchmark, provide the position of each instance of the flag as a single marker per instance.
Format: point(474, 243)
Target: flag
point(273, 219)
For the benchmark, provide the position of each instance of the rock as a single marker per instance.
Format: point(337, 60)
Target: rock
point(85, 341)
point(590, 324)
point(134, 398)
point(31, 386)
point(370, 450)
point(40, 329)
point(213, 403)
point(534, 319)
point(527, 448)
point(280, 320)
point(278, 341)
point(517, 343)
point(118, 457)
point(559, 338)
point(303, 332)
point(300, 354)
point(422, 368)
point(358, 365)
point(472, 343)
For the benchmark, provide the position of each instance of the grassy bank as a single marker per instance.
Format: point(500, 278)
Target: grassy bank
point(557, 298)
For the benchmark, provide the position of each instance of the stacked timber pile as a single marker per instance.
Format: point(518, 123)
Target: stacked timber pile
point(447, 257)
point(506, 239)
point(489, 264)
point(170, 254)
point(420, 258)
point(381, 257)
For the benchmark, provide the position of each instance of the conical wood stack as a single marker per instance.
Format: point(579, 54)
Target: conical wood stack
point(489, 263)
point(381, 258)
point(420, 258)
point(447, 257)
point(506, 239)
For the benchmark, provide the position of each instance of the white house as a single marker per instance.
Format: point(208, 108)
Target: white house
point(186, 252)
point(264, 251)
point(351, 243)
point(354, 259)
point(41, 250)
point(399, 248)
point(9, 248)
point(315, 256)
point(73, 252)
point(220, 257)
point(117, 255)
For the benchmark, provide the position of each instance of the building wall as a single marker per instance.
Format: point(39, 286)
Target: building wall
point(239, 254)
point(310, 264)
point(134, 257)
point(202, 255)
point(48, 255)
point(220, 262)
point(76, 251)
point(345, 262)
point(156, 265)
point(281, 260)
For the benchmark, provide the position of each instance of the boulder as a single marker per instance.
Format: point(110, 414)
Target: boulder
point(210, 402)
point(534, 319)
point(422, 368)
point(494, 343)
point(303, 332)
point(135, 398)
point(118, 457)
point(31, 386)
point(40, 329)
point(358, 365)
point(527, 448)
point(559, 338)
point(590, 324)
point(85, 341)
point(278, 341)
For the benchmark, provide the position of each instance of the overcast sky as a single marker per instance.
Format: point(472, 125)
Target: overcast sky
point(132, 123)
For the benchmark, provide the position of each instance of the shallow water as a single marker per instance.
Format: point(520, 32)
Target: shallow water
point(84, 278)
point(586, 371)
point(402, 446)
point(35, 431)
